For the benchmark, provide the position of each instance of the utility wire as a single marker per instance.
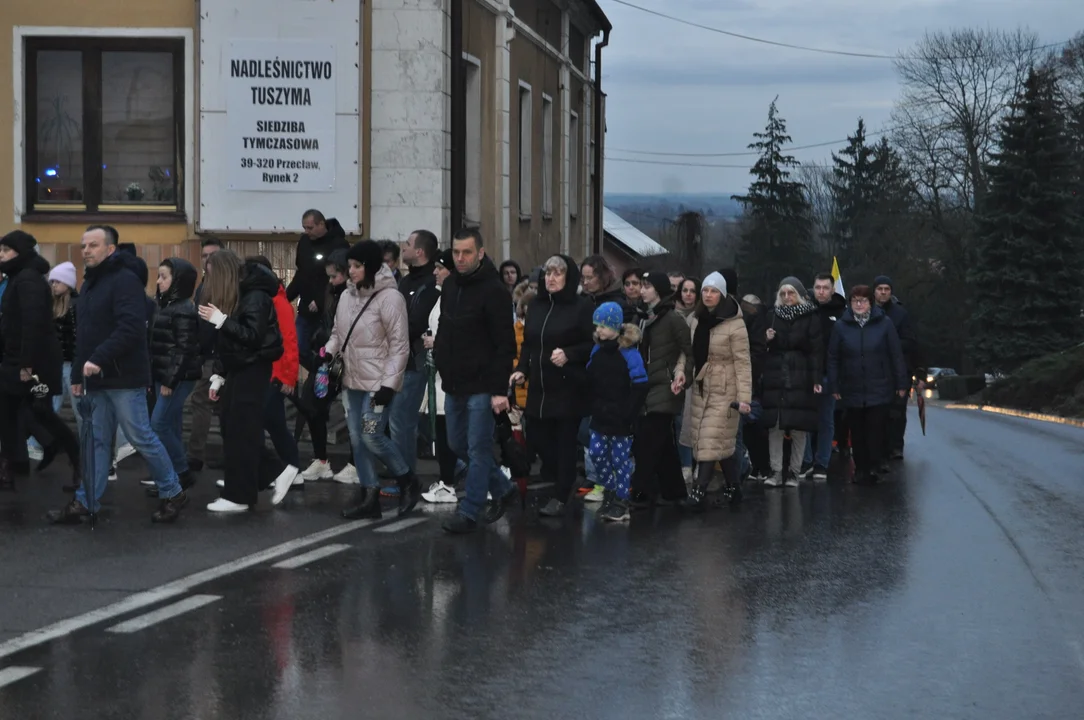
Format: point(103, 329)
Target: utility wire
point(747, 153)
point(823, 51)
point(689, 164)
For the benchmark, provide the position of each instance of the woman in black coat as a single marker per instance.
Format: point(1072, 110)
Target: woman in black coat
point(557, 342)
point(791, 377)
point(176, 363)
point(237, 301)
point(30, 373)
point(866, 370)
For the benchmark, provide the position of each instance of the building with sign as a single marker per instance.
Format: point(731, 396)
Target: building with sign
point(177, 120)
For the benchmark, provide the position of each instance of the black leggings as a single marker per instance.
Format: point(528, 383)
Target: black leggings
point(40, 421)
point(658, 467)
point(731, 472)
point(554, 439)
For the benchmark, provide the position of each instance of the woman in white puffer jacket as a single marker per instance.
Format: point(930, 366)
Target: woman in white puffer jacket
point(371, 332)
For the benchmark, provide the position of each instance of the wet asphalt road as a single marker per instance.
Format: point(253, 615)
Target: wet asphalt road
point(954, 590)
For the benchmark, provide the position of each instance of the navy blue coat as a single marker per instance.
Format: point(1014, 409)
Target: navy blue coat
point(111, 325)
point(897, 313)
point(865, 364)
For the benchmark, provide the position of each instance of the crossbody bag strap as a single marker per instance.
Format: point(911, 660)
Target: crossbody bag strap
point(358, 317)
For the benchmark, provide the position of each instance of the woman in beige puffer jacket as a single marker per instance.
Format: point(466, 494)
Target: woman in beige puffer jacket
point(375, 357)
point(722, 376)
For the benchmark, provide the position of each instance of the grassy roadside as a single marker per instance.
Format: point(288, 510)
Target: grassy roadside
point(1052, 384)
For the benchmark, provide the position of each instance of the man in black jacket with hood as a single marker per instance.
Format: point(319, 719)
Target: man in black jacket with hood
point(419, 289)
point(309, 285)
point(830, 307)
point(897, 414)
point(474, 350)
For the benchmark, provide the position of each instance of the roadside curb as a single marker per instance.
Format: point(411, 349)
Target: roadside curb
point(1018, 413)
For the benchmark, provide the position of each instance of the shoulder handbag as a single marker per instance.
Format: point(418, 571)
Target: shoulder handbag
point(336, 367)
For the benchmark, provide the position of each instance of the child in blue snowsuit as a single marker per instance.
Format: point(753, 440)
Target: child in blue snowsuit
point(618, 386)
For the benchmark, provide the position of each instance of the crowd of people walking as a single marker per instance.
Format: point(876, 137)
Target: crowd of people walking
point(652, 381)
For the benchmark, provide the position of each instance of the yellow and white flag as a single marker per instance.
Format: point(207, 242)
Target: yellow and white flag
point(837, 277)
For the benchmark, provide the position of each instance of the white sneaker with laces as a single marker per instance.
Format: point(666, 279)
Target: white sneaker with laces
point(348, 476)
point(775, 480)
point(299, 481)
point(318, 470)
point(440, 493)
point(222, 505)
point(124, 452)
point(597, 494)
point(792, 481)
point(282, 484)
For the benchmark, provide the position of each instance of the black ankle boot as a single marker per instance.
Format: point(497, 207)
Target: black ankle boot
point(366, 505)
point(697, 501)
point(410, 491)
point(48, 454)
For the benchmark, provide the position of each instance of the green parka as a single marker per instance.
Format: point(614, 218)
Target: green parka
point(666, 339)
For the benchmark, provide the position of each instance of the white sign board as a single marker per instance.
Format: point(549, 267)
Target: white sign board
point(280, 115)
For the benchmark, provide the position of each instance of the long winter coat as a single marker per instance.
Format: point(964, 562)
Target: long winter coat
point(866, 365)
point(376, 355)
point(725, 378)
point(792, 367)
point(175, 351)
point(26, 324)
point(665, 339)
point(562, 320)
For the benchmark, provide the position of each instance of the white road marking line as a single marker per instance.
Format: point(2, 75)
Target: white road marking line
point(144, 621)
point(140, 600)
point(311, 556)
point(401, 525)
point(539, 486)
point(15, 674)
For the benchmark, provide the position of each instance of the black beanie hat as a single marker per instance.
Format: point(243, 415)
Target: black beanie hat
point(19, 241)
point(445, 259)
point(370, 255)
point(660, 281)
point(882, 280)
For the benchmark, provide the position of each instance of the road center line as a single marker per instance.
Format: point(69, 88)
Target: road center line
point(15, 674)
point(140, 600)
point(169, 611)
point(400, 525)
point(309, 557)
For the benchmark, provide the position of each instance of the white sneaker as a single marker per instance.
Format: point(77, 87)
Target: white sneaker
point(113, 473)
point(220, 483)
point(299, 481)
point(282, 484)
point(319, 470)
point(774, 481)
point(124, 452)
point(222, 505)
point(597, 494)
point(348, 476)
point(147, 482)
point(35, 453)
point(792, 481)
point(440, 493)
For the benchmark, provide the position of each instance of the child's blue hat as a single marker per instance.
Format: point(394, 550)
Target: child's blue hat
point(609, 315)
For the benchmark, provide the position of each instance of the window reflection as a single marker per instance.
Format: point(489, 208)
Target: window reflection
point(59, 164)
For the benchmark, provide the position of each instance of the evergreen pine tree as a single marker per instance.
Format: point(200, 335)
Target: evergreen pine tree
point(852, 186)
point(777, 238)
point(1026, 277)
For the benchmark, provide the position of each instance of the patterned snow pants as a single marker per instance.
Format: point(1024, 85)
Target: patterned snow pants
point(612, 456)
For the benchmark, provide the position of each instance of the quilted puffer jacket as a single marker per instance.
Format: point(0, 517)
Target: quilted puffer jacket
point(376, 355)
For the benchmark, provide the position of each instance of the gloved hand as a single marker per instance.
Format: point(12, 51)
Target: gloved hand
point(383, 396)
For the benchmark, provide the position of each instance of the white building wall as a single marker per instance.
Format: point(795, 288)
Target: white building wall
point(410, 178)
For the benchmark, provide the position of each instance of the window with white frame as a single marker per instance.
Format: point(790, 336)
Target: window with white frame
point(525, 141)
point(472, 151)
point(547, 156)
point(574, 145)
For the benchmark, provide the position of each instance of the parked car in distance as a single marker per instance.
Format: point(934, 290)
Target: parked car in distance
point(934, 374)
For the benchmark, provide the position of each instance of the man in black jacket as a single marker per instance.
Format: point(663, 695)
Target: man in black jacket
point(474, 350)
point(419, 288)
point(309, 284)
point(112, 370)
point(830, 307)
point(897, 414)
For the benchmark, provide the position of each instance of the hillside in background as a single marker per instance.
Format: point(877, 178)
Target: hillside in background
point(647, 210)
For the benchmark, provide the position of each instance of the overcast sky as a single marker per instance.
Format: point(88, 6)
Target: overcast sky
point(678, 89)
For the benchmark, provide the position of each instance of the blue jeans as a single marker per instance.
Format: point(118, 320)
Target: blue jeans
point(826, 430)
point(127, 409)
point(274, 422)
point(470, 436)
point(403, 414)
point(166, 422)
point(361, 418)
point(305, 329)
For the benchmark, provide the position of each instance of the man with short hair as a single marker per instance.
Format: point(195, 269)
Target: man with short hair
point(202, 407)
point(321, 237)
point(897, 412)
point(830, 307)
point(676, 277)
point(474, 350)
point(111, 368)
point(392, 251)
point(419, 288)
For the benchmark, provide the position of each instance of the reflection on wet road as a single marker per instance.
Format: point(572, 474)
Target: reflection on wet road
point(951, 591)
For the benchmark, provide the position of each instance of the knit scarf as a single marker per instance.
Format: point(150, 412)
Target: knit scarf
point(861, 318)
point(705, 321)
point(790, 312)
